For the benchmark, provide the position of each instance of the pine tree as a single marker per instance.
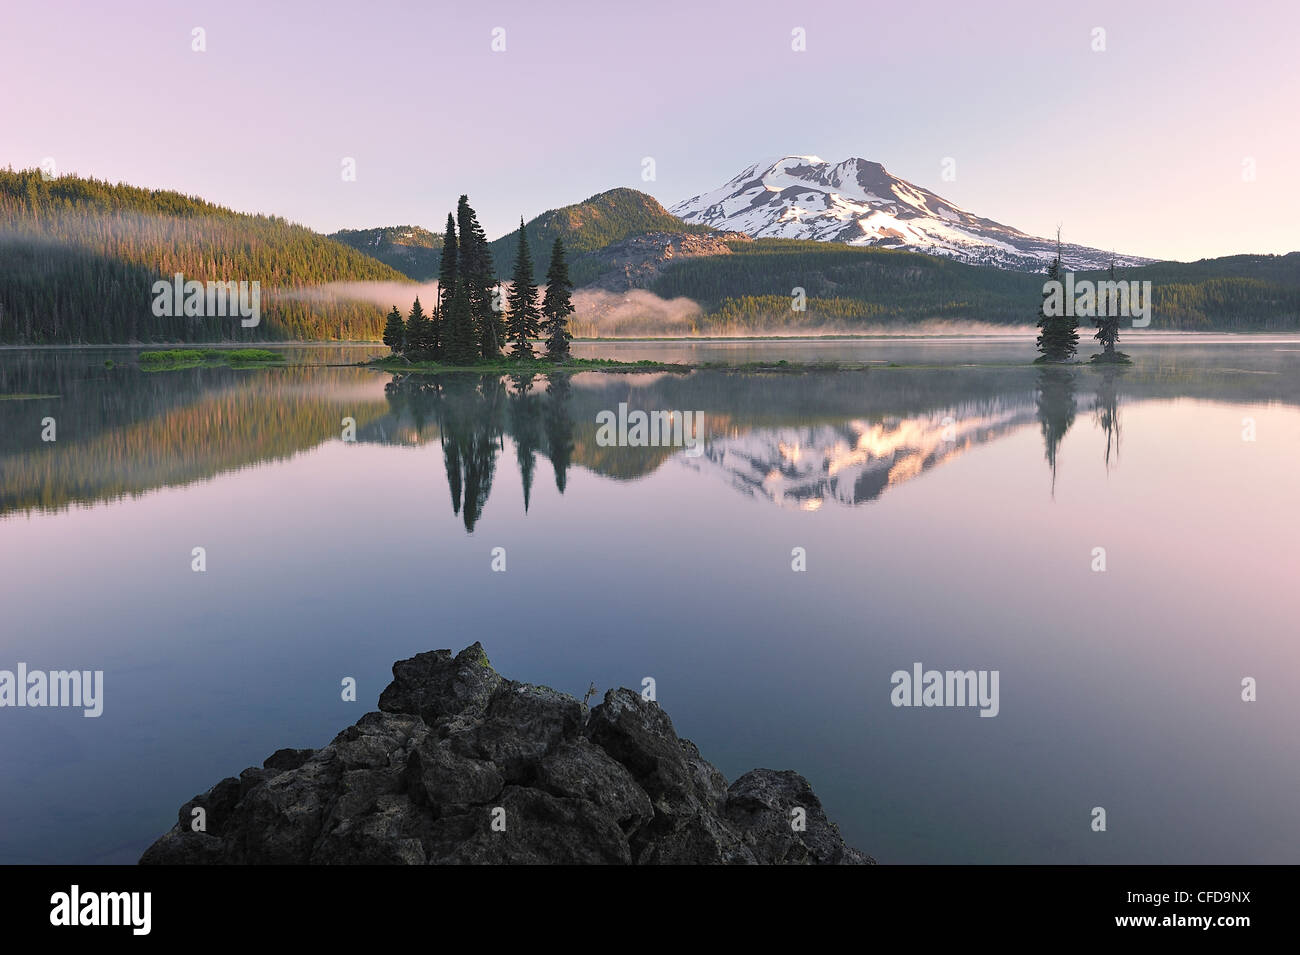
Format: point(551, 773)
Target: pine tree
point(1059, 338)
point(557, 306)
point(395, 332)
point(475, 272)
point(419, 332)
point(524, 322)
point(446, 286)
point(1107, 322)
point(459, 346)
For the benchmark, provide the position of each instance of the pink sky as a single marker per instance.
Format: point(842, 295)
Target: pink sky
point(1138, 148)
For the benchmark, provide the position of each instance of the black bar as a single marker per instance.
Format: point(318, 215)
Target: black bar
point(927, 902)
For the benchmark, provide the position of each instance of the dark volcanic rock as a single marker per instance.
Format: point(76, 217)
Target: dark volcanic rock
point(461, 765)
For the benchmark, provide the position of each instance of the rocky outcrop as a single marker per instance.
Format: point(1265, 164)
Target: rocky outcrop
point(461, 765)
point(638, 260)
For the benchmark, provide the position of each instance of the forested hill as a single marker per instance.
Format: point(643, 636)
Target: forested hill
point(588, 226)
point(78, 259)
point(413, 251)
point(752, 289)
point(1231, 293)
point(847, 287)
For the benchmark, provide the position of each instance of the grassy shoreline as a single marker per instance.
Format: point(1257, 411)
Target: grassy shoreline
point(171, 359)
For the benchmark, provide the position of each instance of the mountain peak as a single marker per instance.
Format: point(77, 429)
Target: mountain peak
point(805, 160)
point(858, 202)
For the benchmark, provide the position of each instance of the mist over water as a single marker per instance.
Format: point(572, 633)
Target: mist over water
point(641, 313)
point(596, 313)
point(384, 294)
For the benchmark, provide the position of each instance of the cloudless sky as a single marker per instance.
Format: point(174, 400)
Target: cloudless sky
point(1139, 148)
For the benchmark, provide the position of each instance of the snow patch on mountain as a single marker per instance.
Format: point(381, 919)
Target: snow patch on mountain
point(860, 203)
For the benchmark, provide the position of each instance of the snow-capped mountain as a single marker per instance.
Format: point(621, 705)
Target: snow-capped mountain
point(860, 203)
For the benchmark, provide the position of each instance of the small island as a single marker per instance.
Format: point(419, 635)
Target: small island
point(171, 359)
point(536, 365)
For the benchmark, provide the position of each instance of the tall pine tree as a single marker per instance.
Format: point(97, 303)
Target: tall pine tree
point(557, 306)
point(476, 274)
point(395, 332)
point(446, 286)
point(524, 321)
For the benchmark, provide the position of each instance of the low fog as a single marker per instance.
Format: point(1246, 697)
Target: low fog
point(642, 314)
point(597, 314)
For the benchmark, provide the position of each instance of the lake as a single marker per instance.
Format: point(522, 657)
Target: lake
point(951, 504)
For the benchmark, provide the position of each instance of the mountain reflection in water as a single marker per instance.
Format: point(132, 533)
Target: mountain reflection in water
point(797, 440)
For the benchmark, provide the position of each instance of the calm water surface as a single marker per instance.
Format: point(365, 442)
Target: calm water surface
point(949, 508)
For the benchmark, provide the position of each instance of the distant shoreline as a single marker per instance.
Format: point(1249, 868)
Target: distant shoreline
point(1131, 338)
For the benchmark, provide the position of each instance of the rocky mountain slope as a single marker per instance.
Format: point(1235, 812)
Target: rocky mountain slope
point(456, 747)
point(861, 203)
point(639, 260)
